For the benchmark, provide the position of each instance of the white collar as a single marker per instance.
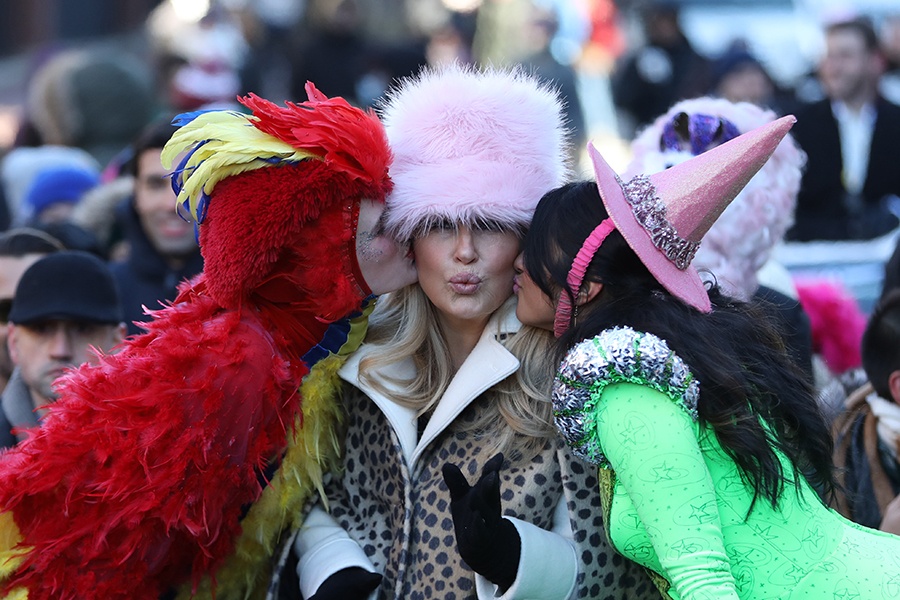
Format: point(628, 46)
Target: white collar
point(488, 364)
point(865, 114)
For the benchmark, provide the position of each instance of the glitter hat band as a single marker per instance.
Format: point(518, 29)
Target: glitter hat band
point(664, 216)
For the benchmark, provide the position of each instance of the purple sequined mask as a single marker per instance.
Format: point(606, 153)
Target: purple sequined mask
point(698, 131)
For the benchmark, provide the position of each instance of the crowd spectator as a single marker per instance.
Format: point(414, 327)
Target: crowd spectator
point(739, 76)
point(868, 431)
point(65, 306)
point(19, 249)
point(662, 71)
point(22, 164)
point(88, 99)
point(542, 28)
point(162, 248)
point(850, 139)
point(55, 191)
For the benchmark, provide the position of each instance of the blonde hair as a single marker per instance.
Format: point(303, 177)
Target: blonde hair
point(516, 415)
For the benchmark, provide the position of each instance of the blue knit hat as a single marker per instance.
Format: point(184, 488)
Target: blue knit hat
point(59, 184)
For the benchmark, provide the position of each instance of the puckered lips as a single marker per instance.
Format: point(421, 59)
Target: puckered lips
point(465, 284)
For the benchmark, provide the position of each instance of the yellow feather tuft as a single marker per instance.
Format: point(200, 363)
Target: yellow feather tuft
point(222, 144)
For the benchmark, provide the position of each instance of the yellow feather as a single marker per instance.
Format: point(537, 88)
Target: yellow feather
point(225, 143)
point(10, 555)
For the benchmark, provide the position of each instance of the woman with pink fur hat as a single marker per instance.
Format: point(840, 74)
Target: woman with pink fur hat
point(448, 387)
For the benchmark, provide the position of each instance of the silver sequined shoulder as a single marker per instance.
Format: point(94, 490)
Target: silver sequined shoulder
point(617, 355)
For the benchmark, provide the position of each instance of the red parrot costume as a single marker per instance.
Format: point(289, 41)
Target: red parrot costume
point(146, 471)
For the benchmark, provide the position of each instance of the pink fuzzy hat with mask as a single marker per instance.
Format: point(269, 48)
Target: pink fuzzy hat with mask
point(472, 146)
point(743, 238)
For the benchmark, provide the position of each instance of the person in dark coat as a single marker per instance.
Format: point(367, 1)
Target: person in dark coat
point(162, 247)
point(66, 308)
point(867, 433)
point(666, 69)
point(852, 182)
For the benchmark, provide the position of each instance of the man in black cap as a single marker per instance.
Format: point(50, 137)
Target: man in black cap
point(19, 249)
point(65, 305)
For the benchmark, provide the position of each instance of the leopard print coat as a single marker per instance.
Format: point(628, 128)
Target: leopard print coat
point(391, 500)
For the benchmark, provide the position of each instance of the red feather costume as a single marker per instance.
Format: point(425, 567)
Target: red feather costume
point(137, 480)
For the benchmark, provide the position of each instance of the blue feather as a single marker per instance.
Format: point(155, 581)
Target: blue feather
point(184, 118)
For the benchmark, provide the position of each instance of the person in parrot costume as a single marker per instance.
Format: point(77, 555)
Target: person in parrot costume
point(170, 468)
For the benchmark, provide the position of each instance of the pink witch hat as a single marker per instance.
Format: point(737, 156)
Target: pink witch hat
point(664, 216)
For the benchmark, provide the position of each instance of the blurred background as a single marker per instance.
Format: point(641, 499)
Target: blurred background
point(92, 74)
point(194, 52)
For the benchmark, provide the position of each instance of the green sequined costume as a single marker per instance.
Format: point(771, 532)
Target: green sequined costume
point(675, 501)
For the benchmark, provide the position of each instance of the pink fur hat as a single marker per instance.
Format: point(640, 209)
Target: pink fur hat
point(472, 145)
point(741, 241)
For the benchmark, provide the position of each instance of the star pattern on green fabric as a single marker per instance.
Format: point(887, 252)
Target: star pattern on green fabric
point(794, 574)
point(639, 551)
point(813, 537)
point(741, 557)
point(845, 594)
point(664, 472)
point(743, 579)
point(892, 585)
point(684, 547)
point(631, 433)
point(702, 512)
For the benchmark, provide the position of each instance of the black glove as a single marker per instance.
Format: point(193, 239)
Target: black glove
point(351, 583)
point(488, 543)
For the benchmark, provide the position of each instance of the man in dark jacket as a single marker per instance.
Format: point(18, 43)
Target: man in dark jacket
point(19, 249)
point(852, 182)
point(163, 249)
point(661, 72)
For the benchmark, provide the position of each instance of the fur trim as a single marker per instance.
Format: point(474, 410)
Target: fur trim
point(741, 241)
point(472, 145)
point(96, 211)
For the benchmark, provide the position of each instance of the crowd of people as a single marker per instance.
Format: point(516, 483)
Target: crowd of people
point(383, 338)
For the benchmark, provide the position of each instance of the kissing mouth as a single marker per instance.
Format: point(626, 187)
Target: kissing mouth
point(465, 284)
point(466, 279)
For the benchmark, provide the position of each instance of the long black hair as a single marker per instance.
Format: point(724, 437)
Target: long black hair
point(751, 393)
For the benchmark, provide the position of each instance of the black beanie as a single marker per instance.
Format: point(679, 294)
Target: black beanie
point(70, 286)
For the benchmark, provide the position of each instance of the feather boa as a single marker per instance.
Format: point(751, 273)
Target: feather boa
point(836, 321)
point(313, 449)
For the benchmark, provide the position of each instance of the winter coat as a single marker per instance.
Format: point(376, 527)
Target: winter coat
point(145, 278)
point(867, 470)
point(16, 411)
point(389, 507)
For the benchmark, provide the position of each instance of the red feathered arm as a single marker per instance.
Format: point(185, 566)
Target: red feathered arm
point(136, 480)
